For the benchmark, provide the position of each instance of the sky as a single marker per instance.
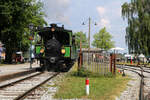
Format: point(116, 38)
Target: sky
point(72, 13)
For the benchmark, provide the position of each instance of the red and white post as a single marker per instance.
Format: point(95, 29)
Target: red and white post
point(87, 86)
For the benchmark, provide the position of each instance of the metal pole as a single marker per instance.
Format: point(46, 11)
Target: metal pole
point(30, 54)
point(102, 42)
point(89, 31)
point(89, 38)
point(114, 63)
point(31, 26)
point(123, 70)
point(141, 96)
point(80, 52)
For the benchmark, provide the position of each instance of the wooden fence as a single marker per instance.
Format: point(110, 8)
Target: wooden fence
point(96, 62)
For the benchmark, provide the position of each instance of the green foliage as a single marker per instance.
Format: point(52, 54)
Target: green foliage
point(83, 38)
point(109, 74)
point(102, 39)
point(137, 12)
point(83, 72)
point(16, 15)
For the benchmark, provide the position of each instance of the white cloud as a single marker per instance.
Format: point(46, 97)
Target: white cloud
point(105, 23)
point(56, 10)
point(64, 1)
point(101, 10)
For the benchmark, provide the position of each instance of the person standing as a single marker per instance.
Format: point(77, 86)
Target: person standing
point(32, 58)
point(32, 54)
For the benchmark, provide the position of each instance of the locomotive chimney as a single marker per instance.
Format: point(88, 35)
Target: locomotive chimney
point(53, 25)
point(62, 26)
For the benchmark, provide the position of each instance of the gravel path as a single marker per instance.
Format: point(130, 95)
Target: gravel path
point(133, 87)
point(132, 90)
point(7, 69)
point(51, 88)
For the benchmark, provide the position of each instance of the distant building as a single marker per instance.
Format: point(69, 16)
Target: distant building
point(92, 50)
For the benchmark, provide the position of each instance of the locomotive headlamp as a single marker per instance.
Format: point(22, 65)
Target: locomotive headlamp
point(52, 29)
point(42, 50)
point(63, 51)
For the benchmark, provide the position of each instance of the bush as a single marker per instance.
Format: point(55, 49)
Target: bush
point(2, 61)
point(83, 72)
point(109, 74)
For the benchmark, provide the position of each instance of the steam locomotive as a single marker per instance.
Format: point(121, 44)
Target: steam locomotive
point(56, 49)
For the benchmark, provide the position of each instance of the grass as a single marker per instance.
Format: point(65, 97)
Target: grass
point(101, 87)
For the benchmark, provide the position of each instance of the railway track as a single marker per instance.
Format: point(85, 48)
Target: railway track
point(134, 69)
point(13, 75)
point(21, 89)
point(144, 73)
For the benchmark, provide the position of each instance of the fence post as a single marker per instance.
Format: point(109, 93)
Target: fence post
point(111, 63)
point(80, 61)
point(114, 64)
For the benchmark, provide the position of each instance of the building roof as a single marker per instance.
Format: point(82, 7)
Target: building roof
point(92, 50)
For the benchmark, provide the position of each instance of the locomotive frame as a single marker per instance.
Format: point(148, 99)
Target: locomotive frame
point(65, 54)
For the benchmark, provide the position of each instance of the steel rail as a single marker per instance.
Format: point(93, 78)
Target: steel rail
point(15, 82)
point(137, 66)
point(25, 94)
point(127, 68)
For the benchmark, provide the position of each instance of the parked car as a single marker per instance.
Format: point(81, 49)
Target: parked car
point(19, 57)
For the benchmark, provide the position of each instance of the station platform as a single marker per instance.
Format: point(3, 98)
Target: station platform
point(16, 70)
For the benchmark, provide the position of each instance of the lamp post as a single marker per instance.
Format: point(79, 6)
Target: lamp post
point(89, 35)
point(30, 38)
point(80, 54)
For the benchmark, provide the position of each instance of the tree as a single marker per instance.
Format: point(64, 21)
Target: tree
point(16, 15)
point(84, 39)
point(137, 13)
point(102, 40)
